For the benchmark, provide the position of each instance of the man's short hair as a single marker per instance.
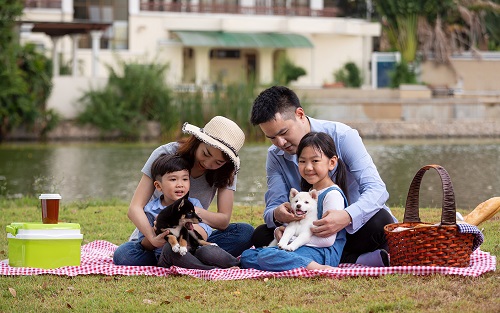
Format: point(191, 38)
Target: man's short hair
point(276, 99)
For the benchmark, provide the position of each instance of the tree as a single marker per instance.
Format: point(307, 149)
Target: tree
point(11, 83)
point(400, 21)
point(438, 28)
point(25, 79)
point(492, 26)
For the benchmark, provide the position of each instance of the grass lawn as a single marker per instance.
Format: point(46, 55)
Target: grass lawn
point(107, 220)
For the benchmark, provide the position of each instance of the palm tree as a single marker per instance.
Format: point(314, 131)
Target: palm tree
point(438, 28)
point(465, 29)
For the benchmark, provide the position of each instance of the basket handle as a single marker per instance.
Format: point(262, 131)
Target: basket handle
point(448, 214)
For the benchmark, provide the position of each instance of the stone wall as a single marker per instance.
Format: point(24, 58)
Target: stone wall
point(433, 129)
point(374, 113)
point(369, 130)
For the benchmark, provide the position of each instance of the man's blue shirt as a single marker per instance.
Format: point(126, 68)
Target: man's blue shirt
point(367, 191)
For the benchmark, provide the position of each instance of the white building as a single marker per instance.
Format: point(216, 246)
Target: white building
point(203, 41)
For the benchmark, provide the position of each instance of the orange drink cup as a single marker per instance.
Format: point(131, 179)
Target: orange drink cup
point(50, 207)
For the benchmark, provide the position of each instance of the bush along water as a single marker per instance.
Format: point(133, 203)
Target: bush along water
point(137, 93)
point(134, 95)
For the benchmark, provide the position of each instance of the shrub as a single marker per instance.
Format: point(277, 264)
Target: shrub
point(235, 102)
point(131, 98)
point(350, 75)
point(286, 71)
point(402, 74)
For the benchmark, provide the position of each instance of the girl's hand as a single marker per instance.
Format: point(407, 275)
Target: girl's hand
point(278, 232)
point(332, 222)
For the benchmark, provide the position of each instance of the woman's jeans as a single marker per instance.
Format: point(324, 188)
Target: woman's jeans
point(234, 239)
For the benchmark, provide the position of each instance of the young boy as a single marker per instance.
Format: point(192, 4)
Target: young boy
point(171, 177)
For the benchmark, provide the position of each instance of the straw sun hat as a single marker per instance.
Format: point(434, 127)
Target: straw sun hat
point(221, 133)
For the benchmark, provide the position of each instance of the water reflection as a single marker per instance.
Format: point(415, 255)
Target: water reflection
point(82, 171)
point(472, 166)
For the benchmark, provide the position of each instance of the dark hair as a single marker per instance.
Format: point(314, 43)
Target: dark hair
point(168, 163)
point(276, 99)
point(324, 143)
point(221, 177)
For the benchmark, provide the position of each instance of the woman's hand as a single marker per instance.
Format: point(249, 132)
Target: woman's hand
point(220, 219)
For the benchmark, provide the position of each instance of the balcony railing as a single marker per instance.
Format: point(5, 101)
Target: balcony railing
point(233, 9)
point(43, 4)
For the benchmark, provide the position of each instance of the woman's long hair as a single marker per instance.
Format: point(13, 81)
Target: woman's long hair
point(221, 177)
point(323, 143)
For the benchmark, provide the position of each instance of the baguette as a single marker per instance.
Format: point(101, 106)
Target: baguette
point(484, 211)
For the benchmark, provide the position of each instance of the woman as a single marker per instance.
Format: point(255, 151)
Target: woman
point(212, 153)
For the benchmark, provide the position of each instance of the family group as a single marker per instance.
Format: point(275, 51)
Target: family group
point(306, 154)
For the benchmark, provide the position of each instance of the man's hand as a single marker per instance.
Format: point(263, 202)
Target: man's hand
point(278, 232)
point(283, 214)
point(332, 222)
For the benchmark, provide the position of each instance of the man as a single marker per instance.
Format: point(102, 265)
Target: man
point(278, 113)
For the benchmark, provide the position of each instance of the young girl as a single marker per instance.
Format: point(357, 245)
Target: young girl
point(212, 153)
point(317, 156)
point(171, 177)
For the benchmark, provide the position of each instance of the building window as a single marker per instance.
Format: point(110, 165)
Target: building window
point(224, 54)
point(110, 11)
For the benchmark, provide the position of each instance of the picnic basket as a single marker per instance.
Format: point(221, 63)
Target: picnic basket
point(415, 243)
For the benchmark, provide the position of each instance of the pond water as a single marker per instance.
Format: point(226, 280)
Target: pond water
point(79, 171)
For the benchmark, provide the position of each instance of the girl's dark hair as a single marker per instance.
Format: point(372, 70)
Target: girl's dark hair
point(324, 143)
point(168, 163)
point(221, 177)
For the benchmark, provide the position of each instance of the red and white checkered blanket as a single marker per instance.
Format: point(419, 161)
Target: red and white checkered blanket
point(97, 258)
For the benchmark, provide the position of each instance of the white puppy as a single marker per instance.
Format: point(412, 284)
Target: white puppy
point(298, 233)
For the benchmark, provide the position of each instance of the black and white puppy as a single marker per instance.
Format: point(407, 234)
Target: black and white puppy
point(179, 218)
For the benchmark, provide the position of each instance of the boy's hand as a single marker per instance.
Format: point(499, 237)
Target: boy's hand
point(159, 240)
point(156, 242)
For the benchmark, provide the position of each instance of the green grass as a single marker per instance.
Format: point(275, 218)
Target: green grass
point(107, 220)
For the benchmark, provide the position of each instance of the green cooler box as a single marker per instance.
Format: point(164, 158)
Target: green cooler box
point(44, 245)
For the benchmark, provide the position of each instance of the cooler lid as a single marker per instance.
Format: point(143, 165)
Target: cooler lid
point(14, 228)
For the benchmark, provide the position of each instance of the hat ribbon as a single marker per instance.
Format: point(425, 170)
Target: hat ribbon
point(221, 141)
